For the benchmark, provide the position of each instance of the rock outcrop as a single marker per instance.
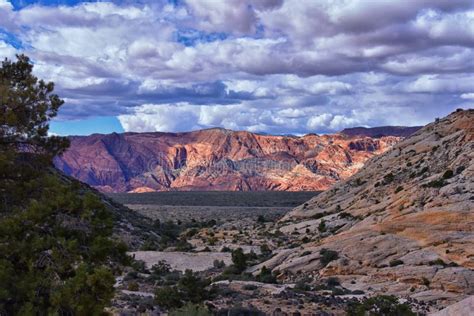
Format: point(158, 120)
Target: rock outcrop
point(404, 224)
point(217, 159)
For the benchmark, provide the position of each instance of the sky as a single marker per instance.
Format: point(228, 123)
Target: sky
point(271, 66)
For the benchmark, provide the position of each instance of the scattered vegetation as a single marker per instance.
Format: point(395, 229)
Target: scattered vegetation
point(188, 288)
point(191, 310)
point(379, 305)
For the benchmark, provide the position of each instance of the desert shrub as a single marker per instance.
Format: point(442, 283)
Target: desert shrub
point(395, 262)
point(239, 260)
point(225, 249)
point(250, 287)
point(265, 250)
point(359, 182)
point(435, 184)
point(327, 256)
point(448, 174)
point(239, 311)
point(379, 305)
point(218, 264)
point(423, 171)
point(302, 285)
point(266, 276)
point(358, 292)
point(191, 310)
point(318, 215)
point(331, 282)
point(168, 297)
point(183, 245)
point(212, 241)
point(389, 177)
point(132, 286)
point(161, 268)
point(440, 262)
point(345, 215)
point(460, 169)
point(139, 266)
point(322, 226)
point(193, 288)
point(398, 189)
point(192, 232)
point(189, 288)
point(425, 281)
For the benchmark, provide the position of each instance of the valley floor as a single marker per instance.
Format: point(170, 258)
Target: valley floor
point(205, 237)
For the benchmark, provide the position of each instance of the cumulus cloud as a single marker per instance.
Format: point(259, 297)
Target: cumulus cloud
point(280, 66)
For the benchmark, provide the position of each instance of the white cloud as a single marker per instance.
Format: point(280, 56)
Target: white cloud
point(441, 84)
point(468, 96)
point(281, 66)
point(6, 50)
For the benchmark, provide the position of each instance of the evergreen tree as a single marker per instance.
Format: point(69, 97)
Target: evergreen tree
point(56, 251)
point(26, 106)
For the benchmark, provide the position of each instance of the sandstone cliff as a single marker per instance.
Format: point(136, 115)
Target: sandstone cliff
point(217, 159)
point(403, 225)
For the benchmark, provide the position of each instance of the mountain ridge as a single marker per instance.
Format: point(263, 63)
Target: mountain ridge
point(216, 159)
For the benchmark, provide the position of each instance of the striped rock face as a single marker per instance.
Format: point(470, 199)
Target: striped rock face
point(217, 159)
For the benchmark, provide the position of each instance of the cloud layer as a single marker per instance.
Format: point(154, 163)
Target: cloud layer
point(278, 66)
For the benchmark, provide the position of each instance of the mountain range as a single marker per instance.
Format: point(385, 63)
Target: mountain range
point(221, 159)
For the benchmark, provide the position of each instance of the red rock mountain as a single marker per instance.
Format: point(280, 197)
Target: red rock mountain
point(217, 159)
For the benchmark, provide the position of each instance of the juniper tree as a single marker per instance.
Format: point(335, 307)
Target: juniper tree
point(27, 104)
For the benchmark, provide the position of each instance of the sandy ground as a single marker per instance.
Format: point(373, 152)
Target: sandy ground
point(183, 260)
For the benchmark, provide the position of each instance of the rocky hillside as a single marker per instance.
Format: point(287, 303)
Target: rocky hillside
point(217, 159)
point(402, 225)
point(399, 131)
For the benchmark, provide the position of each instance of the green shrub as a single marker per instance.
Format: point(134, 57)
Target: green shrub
point(435, 184)
point(168, 297)
point(218, 264)
point(327, 256)
point(250, 287)
point(395, 262)
point(332, 282)
point(389, 177)
point(132, 286)
point(239, 259)
point(266, 276)
point(322, 226)
point(448, 174)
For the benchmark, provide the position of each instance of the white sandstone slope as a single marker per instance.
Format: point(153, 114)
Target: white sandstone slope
point(403, 225)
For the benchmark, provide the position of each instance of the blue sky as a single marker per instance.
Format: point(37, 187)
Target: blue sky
point(274, 66)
